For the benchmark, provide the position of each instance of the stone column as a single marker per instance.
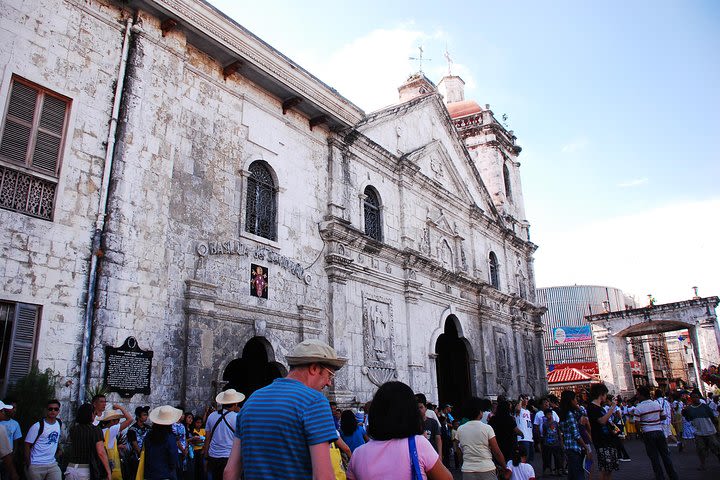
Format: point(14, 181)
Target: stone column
point(647, 352)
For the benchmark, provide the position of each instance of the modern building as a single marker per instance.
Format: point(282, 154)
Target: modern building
point(180, 204)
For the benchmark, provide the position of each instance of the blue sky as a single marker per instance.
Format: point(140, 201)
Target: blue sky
point(615, 104)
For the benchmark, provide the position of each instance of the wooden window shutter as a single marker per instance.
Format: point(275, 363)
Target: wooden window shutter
point(18, 123)
point(22, 349)
point(49, 136)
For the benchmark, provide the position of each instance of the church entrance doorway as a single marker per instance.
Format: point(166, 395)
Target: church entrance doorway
point(255, 369)
point(452, 366)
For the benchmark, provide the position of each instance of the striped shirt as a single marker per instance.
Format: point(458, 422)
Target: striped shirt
point(276, 426)
point(647, 415)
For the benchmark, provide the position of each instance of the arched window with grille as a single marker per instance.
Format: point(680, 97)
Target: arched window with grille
point(261, 202)
point(373, 217)
point(508, 186)
point(494, 274)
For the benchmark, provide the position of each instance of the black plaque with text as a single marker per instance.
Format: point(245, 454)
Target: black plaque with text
point(127, 368)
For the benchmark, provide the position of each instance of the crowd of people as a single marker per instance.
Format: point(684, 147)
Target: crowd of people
point(290, 430)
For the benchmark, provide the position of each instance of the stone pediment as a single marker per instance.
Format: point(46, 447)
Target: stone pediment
point(436, 163)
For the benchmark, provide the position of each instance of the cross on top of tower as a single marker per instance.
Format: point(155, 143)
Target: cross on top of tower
point(420, 59)
point(449, 61)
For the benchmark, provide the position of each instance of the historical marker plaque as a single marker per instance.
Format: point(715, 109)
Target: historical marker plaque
point(127, 368)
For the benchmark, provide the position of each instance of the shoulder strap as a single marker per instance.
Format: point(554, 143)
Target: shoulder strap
point(415, 461)
point(217, 424)
point(41, 428)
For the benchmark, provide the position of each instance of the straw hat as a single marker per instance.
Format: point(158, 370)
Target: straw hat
point(111, 415)
point(165, 415)
point(229, 396)
point(314, 351)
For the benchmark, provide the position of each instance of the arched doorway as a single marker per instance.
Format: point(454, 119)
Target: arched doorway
point(254, 369)
point(452, 365)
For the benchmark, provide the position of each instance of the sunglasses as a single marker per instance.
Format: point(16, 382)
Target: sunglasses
point(53, 409)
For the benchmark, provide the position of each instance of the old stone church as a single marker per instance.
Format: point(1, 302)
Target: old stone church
point(168, 176)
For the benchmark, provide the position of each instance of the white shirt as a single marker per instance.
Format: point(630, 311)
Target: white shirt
point(222, 439)
point(474, 437)
point(524, 471)
point(112, 438)
point(647, 415)
point(43, 453)
point(667, 410)
point(524, 424)
point(486, 417)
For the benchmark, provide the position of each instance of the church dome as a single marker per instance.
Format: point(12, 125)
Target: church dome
point(463, 108)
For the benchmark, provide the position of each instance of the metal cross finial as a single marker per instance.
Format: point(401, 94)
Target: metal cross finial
point(420, 59)
point(449, 61)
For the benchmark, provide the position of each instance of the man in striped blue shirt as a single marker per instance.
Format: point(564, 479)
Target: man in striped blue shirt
point(285, 429)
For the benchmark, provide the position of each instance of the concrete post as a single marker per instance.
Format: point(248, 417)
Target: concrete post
point(648, 361)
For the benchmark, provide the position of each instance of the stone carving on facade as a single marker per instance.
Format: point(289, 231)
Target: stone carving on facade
point(379, 337)
point(425, 241)
point(463, 259)
point(437, 167)
point(530, 366)
point(502, 358)
point(445, 254)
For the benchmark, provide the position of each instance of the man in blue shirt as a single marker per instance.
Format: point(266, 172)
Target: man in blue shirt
point(285, 429)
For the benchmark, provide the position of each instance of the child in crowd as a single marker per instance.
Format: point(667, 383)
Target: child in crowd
point(551, 447)
point(518, 466)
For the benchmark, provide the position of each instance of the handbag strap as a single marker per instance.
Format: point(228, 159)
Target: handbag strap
point(414, 460)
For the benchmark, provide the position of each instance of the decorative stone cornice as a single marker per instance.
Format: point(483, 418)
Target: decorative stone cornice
point(219, 31)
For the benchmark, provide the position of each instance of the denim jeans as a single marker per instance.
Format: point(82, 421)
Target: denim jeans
point(574, 465)
point(657, 449)
point(529, 449)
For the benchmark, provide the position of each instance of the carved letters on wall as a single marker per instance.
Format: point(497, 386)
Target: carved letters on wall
point(378, 333)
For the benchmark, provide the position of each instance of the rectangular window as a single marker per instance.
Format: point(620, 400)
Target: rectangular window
point(19, 324)
point(33, 133)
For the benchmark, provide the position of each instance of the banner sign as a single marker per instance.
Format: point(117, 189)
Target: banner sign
point(572, 334)
point(588, 368)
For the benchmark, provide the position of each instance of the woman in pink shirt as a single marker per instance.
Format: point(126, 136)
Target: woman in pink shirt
point(395, 425)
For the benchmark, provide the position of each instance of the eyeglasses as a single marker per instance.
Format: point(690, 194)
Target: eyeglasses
point(330, 372)
point(53, 409)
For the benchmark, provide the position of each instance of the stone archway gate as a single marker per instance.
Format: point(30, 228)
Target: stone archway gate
point(611, 330)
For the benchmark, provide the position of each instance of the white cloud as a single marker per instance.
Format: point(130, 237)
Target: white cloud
point(665, 251)
point(369, 69)
point(633, 183)
point(575, 145)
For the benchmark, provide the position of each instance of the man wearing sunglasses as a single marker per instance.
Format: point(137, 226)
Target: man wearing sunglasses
point(41, 445)
point(285, 429)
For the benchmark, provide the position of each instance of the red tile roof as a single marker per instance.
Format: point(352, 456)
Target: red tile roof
point(463, 108)
point(568, 375)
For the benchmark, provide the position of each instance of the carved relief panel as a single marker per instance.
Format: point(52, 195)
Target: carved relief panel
point(502, 358)
point(378, 336)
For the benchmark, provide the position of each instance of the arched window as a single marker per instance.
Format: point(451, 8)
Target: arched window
point(373, 220)
point(261, 202)
point(494, 275)
point(506, 179)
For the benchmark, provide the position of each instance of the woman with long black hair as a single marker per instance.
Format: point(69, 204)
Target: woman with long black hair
point(160, 446)
point(573, 443)
point(505, 427)
point(397, 447)
point(352, 433)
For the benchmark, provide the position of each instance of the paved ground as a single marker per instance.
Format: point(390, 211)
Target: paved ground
point(686, 464)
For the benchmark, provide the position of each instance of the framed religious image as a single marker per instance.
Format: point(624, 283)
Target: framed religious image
point(258, 281)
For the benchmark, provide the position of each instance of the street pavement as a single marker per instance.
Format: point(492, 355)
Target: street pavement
point(686, 464)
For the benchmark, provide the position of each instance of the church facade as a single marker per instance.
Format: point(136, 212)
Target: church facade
point(168, 176)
